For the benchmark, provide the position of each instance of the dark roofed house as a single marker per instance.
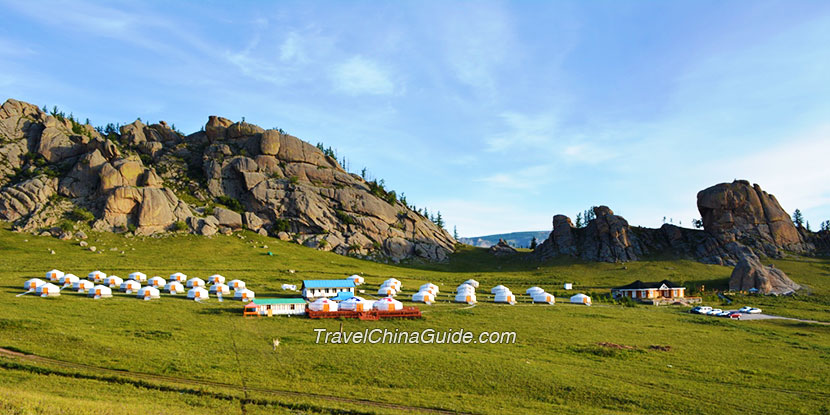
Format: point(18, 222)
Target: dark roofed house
point(649, 290)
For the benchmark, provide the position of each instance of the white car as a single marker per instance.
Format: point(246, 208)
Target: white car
point(749, 310)
point(715, 312)
point(702, 310)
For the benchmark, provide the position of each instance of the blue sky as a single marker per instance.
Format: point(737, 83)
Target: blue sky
point(498, 114)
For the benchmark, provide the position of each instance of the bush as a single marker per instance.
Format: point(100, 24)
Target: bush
point(293, 179)
point(65, 226)
point(344, 217)
point(231, 203)
point(180, 225)
point(322, 243)
point(131, 228)
point(282, 225)
point(80, 215)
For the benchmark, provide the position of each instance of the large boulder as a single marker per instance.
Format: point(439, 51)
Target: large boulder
point(750, 274)
point(269, 144)
point(502, 248)
point(228, 218)
point(745, 213)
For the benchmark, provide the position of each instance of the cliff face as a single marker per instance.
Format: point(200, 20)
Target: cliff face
point(151, 178)
point(742, 213)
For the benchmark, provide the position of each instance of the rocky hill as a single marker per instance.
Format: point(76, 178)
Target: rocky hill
point(740, 223)
point(149, 179)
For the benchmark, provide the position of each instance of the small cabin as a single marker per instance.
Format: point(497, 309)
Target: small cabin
point(275, 306)
point(649, 290)
point(314, 289)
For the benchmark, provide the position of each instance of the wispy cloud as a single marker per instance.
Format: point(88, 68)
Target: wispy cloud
point(359, 75)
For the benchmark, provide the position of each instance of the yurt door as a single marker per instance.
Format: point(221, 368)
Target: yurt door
point(468, 298)
point(270, 311)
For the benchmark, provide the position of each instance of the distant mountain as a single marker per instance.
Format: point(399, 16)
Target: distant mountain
point(514, 239)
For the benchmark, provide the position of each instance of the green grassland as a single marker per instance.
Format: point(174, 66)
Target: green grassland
point(711, 365)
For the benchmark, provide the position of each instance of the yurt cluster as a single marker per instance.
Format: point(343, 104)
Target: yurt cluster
point(99, 285)
point(327, 296)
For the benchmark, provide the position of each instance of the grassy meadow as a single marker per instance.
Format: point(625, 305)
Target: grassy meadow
point(704, 365)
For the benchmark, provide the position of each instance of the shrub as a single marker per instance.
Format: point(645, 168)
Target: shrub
point(282, 225)
point(231, 203)
point(344, 217)
point(80, 215)
point(180, 225)
point(132, 228)
point(293, 179)
point(208, 210)
point(322, 243)
point(65, 226)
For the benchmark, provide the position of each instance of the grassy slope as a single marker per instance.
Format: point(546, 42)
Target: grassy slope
point(778, 366)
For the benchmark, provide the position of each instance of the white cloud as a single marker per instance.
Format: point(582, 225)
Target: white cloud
point(525, 179)
point(293, 50)
point(358, 76)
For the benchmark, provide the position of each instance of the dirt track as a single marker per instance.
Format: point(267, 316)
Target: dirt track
point(194, 382)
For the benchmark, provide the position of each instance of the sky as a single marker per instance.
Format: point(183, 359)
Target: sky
point(497, 114)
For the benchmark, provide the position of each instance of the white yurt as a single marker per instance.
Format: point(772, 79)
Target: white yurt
point(387, 304)
point(173, 287)
point(498, 288)
point(392, 282)
point(568, 286)
point(32, 284)
point(138, 276)
point(198, 293)
point(156, 282)
point(82, 285)
point(216, 279)
point(356, 279)
point(54, 275)
point(178, 276)
point(543, 297)
point(244, 295)
point(148, 293)
point(468, 297)
point(236, 284)
point(581, 299)
point(505, 296)
point(96, 276)
point(100, 291)
point(69, 279)
point(195, 282)
point(355, 304)
point(534, 290)
point(289, 287)
point(429, 287)
point(423, 297)
point(48, 290)
point(113, 281)
point(220, 289)
point(465, 289)
point(471, 282)
point(323, 304)
point(130, 286)
point(387, 291)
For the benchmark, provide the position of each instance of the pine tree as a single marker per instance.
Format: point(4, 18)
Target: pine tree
point(808, 227)
point(454, 233)
point(798, 219)
point(439, 220)
point(579, 220)
point(533, 243)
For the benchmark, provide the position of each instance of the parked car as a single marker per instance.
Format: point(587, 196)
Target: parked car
point(715, 312)
point(724, 314)
point(702, 309)
point(754, 310)
point(735, 316)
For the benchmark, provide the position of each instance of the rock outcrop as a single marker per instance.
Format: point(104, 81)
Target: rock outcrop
point(744, 213)
point(502, 248)
point(234, 175)
point(751, 274)
point(609, 238)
